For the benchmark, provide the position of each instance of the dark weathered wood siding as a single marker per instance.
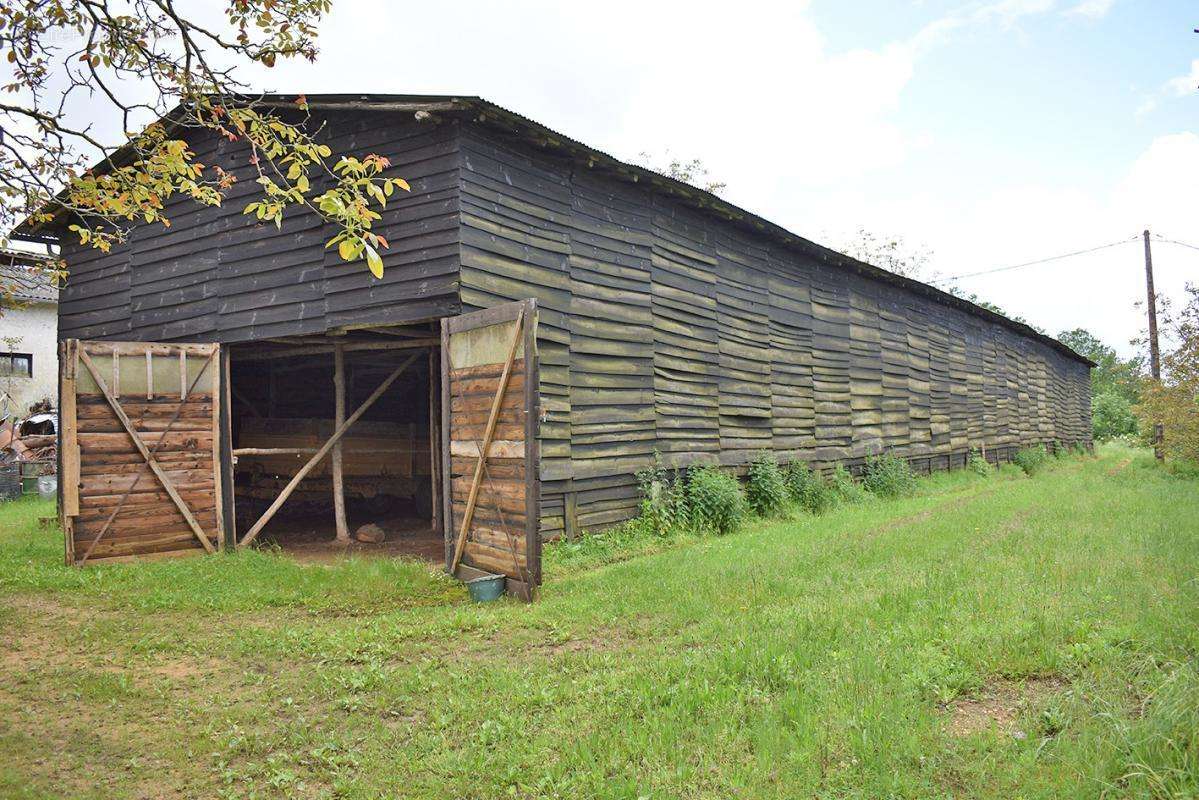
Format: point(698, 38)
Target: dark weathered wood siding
point(664, 328)
point(218, 275)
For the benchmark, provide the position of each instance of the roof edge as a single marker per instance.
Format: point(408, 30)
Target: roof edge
point(705, 201)
point(485, 112)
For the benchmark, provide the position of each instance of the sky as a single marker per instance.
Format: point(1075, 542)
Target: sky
point(989, 133)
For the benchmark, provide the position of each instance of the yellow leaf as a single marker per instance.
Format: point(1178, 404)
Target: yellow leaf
point(373, 262)
point(403, 184)
point(346, 250)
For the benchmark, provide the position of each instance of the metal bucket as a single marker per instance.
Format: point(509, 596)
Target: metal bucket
point(487, 588)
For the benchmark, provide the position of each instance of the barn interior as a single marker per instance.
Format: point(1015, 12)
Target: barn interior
point(283, 400)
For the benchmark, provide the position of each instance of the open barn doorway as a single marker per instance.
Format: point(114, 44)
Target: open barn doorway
point(376, 489)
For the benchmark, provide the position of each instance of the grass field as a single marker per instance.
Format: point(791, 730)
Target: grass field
point(994, 637)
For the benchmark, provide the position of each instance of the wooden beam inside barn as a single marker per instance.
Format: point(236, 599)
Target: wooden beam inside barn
point(339, 418)
point(325, 349)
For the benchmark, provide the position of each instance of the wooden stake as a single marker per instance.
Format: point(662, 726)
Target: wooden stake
point(485, 447)
point(339, 417)
point(321, 453)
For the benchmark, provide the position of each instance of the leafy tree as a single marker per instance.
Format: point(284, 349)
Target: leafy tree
point(894, 255)
point(690, 171)
point(890, 253)
point(998, 309)
point(1111, 373)
point(163, 74)
point(1115, 384)
point(1112, 416)
point(1174, 401)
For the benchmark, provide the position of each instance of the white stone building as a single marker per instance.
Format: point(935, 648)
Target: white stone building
point(28, 333)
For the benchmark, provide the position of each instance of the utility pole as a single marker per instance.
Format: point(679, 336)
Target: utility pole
point(1155, 363)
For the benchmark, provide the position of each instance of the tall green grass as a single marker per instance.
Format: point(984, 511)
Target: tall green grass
point(816, 656)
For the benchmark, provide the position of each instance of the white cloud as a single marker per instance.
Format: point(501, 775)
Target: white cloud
point(1025, 221)
point(1095, 9)
point(1181, 86)
point(804, 133)
point(1159, 188)
point(1184, 84)
point(1147, 106)
point(1009, 12)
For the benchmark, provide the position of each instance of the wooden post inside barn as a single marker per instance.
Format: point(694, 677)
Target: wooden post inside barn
point(339, 417)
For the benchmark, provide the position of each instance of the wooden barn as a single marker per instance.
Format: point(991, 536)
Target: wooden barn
point(565, 313)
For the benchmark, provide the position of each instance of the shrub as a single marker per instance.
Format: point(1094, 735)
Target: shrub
point(1112, 415)
point(844, 488)
point(664, 506)
point(979, 465)
point(1188, 470)
point(887, 475)
point(797, 476)
point(715, 501)
point(1031, 459)
point(808, 490)
point(766, 489)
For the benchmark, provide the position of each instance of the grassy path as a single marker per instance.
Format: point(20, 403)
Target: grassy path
point(990, 637)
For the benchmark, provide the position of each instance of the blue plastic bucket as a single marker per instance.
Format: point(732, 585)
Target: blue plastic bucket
point(487, 588)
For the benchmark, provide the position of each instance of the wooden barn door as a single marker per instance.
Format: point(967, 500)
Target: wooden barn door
point(489, 443)
point(139, 449)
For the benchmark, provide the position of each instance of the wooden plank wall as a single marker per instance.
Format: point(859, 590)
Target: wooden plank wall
point(664, 328)
point(218, 275)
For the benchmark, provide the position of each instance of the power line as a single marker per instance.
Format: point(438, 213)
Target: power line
point(1161, 238)
point(1039, 261)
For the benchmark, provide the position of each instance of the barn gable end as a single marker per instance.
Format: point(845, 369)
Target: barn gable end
point(218, 275)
